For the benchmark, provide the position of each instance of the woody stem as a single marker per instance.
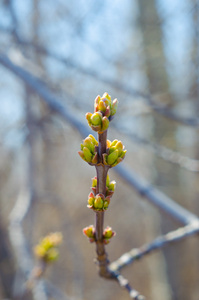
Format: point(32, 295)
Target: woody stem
point(102, 171)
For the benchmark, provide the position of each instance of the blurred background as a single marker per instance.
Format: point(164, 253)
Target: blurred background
point(146, 54)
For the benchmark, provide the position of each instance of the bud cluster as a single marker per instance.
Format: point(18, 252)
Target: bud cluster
point(90, 233)
point(104, 110)
point(47, 248)
point(98, 202)
point(103, 155)
point(115, 153)
point(89, 150)
point(110, 186)
point(108, 234)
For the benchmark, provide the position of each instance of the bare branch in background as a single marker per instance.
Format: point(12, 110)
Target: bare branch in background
point(158, 243)
point(163, 152)
point(123, 282)
point(19, 243)
point(156, 197)
point(161, 109)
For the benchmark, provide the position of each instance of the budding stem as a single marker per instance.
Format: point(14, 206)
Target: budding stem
point(102, 171)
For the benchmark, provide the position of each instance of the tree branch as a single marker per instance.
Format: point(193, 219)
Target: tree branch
point(163, 152)
point(161, 109)
point(102, 172)
point(158, 243)
point(156, 197)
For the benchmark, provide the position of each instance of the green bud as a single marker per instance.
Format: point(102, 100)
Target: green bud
point(107, 180)
point(88, 117)
point(87, 154)
point(52, 255)
point(96, 102)
point(113, 143)
point(112, 185)
point(96, 118)
point(108, 143)
point(108, 233)
point(89, 231)
point(105, 123)
point(119, 146)
point(91, 201)
point(107, 96)
point(106, 204)
point(88, 142)
point(102, 106)
point(39, 251)
point(93, 140)
point(94, 181)
point(47, 248)
point(123, 153)
point(98, 202)
point(114, 107)
point(112, 157)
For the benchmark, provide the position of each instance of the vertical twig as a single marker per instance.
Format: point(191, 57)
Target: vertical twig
point(102, 172)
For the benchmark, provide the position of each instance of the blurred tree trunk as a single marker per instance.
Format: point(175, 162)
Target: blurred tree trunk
point(7, 269)
point(157, 85)
point(153, 49)
point(167, 175)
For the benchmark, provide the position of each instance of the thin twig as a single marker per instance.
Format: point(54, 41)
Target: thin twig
point(158, 243)
point(102, 171)
point(124, 283)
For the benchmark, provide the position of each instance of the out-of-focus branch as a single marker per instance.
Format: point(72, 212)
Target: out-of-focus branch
point(161, 109)
point(21, 209)
point(19, 243)
point(15, 26)
point(124, 283)
point(159, 199)
point(164, 152)
point(37, 86)
point(158, 243)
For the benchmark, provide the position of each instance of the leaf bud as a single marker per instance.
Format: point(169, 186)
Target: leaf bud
point(47, 248)
point(89, 232)
point(87, 154)
point(102, 106)
point(96, 119)
point(115, 153)
point(106, 204)
point(114, 107)
point(94, 181)
point(98, 202)
point(112, 157)
point(112, 185)
point(108, 234)
point(105, 124)
point(89, 150)
point(91, 199)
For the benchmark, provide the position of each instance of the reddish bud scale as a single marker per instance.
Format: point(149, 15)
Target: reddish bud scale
point(90, 233)
point(108, 234)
